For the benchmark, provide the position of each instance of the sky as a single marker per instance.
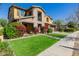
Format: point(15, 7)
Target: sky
point(54, 10)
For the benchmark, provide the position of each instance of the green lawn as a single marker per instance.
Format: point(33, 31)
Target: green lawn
point(31, 46)
point(59, 35)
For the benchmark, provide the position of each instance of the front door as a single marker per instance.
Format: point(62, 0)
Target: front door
point(39, 26)
point(29, 26)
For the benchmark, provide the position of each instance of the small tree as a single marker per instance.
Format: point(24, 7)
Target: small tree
point(71, 24)
point(59, 24)
point(3, 22)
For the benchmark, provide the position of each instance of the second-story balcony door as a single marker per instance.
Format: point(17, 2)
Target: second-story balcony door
point(39, 16)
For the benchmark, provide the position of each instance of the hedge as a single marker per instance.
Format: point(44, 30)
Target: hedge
point(69, 30)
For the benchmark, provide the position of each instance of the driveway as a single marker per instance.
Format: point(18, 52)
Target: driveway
point(67, 46)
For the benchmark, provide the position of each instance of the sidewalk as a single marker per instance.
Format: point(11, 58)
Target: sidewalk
point(65, 47)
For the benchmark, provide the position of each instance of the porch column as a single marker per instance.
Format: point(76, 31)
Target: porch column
point(35, 24)
point(35, 16)
point(43, 19)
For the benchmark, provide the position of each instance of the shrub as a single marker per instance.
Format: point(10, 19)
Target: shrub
point(21, 29)
point(36, 30)
point(10, 31)
point(49, 30)
point(14, 30)
point(46, 29)
point(61, 30)
point(69, 30)
point(42, 29)
point(3, 22)
point(5, 49)
point(14, 24)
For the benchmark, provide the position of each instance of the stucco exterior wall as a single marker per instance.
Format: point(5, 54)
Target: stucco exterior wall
point(11, 14)
point(35, 17)
point(28, 20)
point(16, 16)
point(15, 11)
point(43, 19)
point(49, 20)
point(35, 14)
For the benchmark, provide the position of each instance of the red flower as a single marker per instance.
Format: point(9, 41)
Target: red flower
point(21, 29)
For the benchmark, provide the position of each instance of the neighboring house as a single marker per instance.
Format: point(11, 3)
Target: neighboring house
point(32, 17)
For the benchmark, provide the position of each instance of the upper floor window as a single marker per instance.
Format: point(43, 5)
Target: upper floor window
point(47, 19)
point(18, 14)
point(39, 16)
point(21, 12)
point(28, 13)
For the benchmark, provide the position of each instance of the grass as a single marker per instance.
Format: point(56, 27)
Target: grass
point(5, 50)
point(31, 46)
point(59, 35)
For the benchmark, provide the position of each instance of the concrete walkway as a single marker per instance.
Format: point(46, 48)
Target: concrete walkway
point(65, 47)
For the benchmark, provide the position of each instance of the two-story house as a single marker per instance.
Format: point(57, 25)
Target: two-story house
point(35, 16)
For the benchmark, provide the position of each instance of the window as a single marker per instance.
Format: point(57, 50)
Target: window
point(47, 19)
point(28, 13)
point(39, 16)
point(20, 12)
